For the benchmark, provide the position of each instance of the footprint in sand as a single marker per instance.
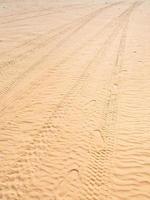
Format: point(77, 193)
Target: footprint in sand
point(68, 187)
point(97, 139)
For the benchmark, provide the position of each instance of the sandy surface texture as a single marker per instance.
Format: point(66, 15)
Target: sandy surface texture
point(74, 100)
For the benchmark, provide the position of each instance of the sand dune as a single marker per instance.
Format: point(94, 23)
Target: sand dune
point(74, 100)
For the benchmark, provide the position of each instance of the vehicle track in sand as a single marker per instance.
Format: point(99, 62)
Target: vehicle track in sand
point(42, 10)
point(75, 24)
point(82, 22)
point(78, 152)
point(59, 121)
point(30, 41)
point(70, 7)
point(113, 23)
point(131, 156)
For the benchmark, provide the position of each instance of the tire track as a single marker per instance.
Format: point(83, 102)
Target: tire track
point(46, 143)
point(32, 41)
point(41, 10)
point(62, 29)
point(86, 20)
point(101, 158)
point(40, 15)
point(43, 35)
point(107, 129)
point(130, 171)
point(110, 112)
point(114, 22)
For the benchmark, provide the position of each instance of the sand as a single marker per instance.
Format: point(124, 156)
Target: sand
point(74, 100)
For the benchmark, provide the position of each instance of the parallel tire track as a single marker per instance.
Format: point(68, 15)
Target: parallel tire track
point(79, 26)
point(60, 30)
point(41, 15)
point(37, 38)
point(114, 22)
point(45, 139)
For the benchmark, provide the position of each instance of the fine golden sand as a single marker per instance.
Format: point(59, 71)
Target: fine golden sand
point(74, 100)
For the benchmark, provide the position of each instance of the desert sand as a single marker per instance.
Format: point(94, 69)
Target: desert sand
point(74, 100)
